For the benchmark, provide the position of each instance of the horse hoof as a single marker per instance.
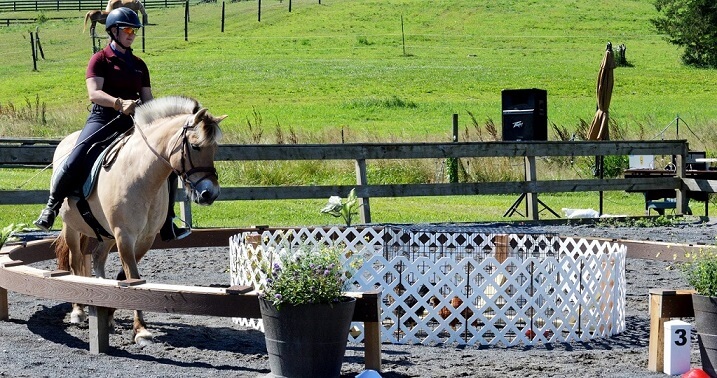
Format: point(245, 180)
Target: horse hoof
point(78, 317)
point(143, 338)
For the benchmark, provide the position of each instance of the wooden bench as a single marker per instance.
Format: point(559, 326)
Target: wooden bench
point(664, 305)
point(101, 295)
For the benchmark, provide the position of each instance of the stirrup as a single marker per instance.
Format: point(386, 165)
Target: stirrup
point(170, 231)
point(180, 232)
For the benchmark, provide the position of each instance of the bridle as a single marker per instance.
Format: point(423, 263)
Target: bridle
point(186, 156)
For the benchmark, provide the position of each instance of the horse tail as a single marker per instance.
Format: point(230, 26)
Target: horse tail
point(87, 17)
point(62, 251)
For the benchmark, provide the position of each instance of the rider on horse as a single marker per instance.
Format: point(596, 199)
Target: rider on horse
point(116, 81)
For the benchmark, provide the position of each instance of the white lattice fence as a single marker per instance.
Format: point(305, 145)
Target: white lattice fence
point(465, 285)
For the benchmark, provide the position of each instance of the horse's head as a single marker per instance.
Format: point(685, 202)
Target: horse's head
point(190, 150)
point(195, 164)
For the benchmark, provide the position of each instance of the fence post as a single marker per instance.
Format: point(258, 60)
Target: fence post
point(185, 205)
point(38, 44)
point(223, 16)
point(32, 47)
point(186, 21)
point(258, 17)
point(361, 179)
point(681, 196)
point(452, 163)
point(289, 6)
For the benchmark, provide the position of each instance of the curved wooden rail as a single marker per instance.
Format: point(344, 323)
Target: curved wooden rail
point(100, 295)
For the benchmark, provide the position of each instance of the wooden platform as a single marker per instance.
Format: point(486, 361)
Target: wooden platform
point(665, 304)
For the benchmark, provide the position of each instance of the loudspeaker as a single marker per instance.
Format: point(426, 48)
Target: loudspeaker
point(525, 114)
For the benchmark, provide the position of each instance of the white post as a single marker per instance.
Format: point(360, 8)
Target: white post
point(677, 347)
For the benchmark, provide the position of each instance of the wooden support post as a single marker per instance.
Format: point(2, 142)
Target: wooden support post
point(664, 305)
point(501, 247)
point(502, 252)
point(4, 313)
point(99, 329)
point(372, 337)
point(362, 179)
point(531, 198)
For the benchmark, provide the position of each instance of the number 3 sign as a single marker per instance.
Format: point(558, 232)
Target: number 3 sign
point(677, 347)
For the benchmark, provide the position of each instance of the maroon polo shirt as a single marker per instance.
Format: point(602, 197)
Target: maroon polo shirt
point(123, 79)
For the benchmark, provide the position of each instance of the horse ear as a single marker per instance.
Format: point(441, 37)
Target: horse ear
point(199, 117)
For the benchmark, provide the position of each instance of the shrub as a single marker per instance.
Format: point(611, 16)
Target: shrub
point(701, 272)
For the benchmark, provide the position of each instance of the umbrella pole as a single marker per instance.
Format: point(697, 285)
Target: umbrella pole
point(602, 175)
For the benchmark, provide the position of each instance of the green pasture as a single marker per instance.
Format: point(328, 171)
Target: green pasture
point(341, 71)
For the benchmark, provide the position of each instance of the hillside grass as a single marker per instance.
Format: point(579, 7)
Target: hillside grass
point(338, 72)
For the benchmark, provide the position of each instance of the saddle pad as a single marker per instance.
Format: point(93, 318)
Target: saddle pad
point(90, 182)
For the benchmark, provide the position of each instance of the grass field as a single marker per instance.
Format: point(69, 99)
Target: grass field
point(341, 71)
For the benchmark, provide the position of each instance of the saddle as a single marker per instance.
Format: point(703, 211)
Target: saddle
point(106, 157)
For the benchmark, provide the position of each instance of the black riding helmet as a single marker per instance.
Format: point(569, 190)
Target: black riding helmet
point(121, 17)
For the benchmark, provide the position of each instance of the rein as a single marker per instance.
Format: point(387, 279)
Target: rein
point(186, 156)
point(68, 152)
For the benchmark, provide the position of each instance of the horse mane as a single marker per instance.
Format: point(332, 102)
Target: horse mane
point(170, 106)
point(164, 107)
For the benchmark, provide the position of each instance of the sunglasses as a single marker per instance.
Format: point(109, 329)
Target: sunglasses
point(129, 30)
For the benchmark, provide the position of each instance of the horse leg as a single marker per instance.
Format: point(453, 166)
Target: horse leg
point(77, 262)
point(130, 259)
point(99, 258)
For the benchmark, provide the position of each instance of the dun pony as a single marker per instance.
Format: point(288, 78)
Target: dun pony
point(171, 135)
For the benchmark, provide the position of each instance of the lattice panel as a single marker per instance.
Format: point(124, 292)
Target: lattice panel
point(465, 286)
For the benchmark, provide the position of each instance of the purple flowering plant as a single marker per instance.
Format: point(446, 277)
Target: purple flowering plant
point(305, 277)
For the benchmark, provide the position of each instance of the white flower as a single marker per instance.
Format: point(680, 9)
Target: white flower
point(337, 208)
point(334, 206)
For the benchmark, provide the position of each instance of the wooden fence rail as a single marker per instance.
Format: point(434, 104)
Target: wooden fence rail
point(18, 153)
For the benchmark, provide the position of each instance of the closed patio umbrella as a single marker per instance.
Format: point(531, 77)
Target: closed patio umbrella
point(599, 129)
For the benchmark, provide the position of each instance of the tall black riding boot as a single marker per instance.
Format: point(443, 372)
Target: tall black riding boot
point(62, 188)
point(169, 230)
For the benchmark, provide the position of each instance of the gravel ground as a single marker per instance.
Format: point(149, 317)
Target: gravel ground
point(39, 341)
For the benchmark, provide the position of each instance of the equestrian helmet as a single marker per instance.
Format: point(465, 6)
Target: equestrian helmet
point(122, 17)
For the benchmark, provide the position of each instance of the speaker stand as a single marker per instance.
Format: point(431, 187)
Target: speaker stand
point(514, 208)
point(532, 205)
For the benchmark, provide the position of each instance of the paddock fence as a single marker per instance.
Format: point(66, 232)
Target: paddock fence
point(79, 5)
point(16, 153)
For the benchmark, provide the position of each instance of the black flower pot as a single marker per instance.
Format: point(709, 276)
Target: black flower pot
point(307, 340)
point(706, 324)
